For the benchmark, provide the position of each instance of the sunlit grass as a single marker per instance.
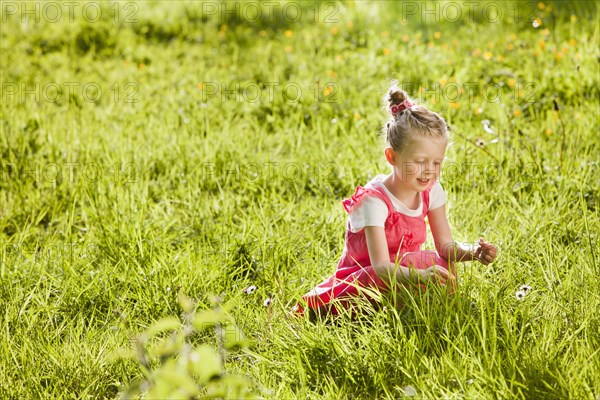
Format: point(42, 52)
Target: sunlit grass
point(175, 179)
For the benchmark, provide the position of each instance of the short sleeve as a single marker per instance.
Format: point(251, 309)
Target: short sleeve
point(372, 211)
point(437, 197)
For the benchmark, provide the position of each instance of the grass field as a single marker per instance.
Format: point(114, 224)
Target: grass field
point(157, 149)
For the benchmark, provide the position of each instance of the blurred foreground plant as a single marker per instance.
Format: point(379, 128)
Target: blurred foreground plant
point(174, 368)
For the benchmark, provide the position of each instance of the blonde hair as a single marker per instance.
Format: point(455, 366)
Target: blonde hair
point(411, 122)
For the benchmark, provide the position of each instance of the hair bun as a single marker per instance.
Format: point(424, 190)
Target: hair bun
point(396, 96)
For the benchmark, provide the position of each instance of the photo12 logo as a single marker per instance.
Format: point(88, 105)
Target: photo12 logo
point(271, 11)
point(453, 92)
point(64, 92)
point(467, 11)
point(254, 92)
point(70, 11)
point(70, 172)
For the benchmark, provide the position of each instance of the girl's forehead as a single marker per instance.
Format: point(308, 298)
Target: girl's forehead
point(427, 145)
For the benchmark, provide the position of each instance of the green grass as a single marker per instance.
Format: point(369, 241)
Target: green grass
point(110, 207)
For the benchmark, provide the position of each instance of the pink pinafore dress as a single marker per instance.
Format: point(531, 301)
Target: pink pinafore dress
point(405, 235)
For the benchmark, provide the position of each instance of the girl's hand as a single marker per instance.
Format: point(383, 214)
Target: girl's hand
point(438, 274)
point(485, 253)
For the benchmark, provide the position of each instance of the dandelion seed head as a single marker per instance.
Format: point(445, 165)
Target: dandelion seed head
point(268, 301)
point(525, 288)
point(520, 295)
point(249, 290)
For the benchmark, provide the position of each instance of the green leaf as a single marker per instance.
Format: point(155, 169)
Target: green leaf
point(207, 319)
point(164, 324)
point(205, 363)
point(234, 337)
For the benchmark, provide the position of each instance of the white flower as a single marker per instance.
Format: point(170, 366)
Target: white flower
point(488, 129)
point(250, 289)
point(525, 288)
point(520, 295)
point(267, 302)
point(333, 121)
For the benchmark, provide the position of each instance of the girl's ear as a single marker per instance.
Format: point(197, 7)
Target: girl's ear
point(390, 155)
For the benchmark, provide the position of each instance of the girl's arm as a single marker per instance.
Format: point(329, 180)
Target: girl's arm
point(380, 261)
point(454, 251)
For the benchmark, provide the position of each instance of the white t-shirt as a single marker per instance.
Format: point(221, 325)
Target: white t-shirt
point(372, 211)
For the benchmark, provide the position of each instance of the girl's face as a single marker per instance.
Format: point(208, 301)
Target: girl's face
point(418, 166)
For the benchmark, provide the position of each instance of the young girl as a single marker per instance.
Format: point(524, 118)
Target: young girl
point(386, 219)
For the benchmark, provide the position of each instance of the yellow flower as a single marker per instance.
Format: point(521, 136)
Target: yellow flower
point(386, 51)
point(573, 18)
point(512, 36)
point(517, 113)
point(509, 46)
point(339, 58)
point(536, 23)
point(572, 42)
point(331, 74)
point(200, 85)
point(385, 34)
point(511, 82)
point(542, 44)
point(487, 55)
point(448, 61)
point(223, 28)
point(357, 116)
point(141, 66)
point(548, 131)
point(437, 35)
point(349, 25)
point(545, 32)
point(541, 5)
point(262, 33)
point(334, 30)
point(443, 81)
point(549, 8)
point(327, 90)
point(537, 52)
point(288, 33)
point(430, 44)
point(478, 110)
point(288, 49)
point(476, 52)
point(405, 38)
point(454, 105)
point(444, 46)
point(558, 55)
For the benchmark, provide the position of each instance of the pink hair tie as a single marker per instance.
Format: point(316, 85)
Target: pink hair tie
point(396, 108)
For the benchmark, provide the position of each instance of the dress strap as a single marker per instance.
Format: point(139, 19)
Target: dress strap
point(360, 192)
